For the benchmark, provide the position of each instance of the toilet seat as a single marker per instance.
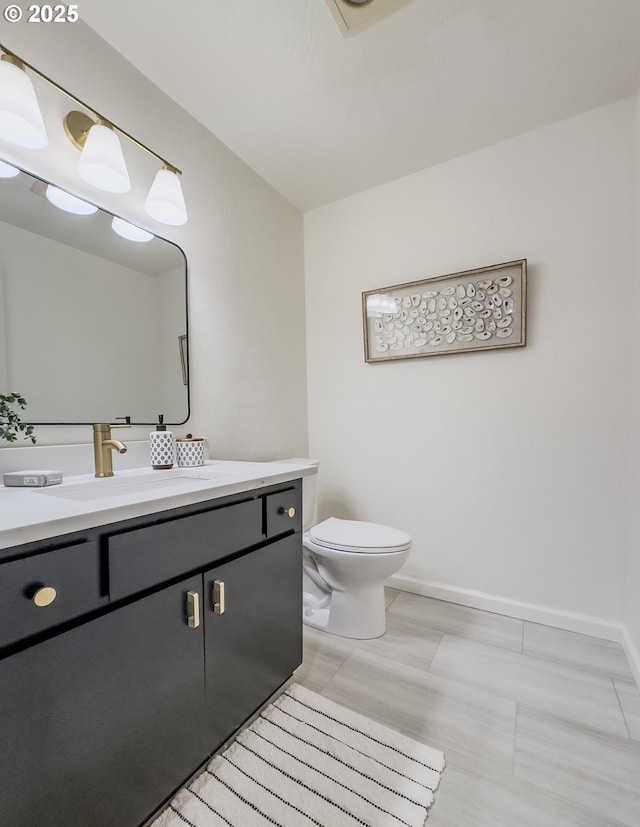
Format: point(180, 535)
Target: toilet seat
point(359, 537)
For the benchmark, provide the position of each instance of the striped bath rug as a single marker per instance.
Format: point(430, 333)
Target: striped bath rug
point(308, 761)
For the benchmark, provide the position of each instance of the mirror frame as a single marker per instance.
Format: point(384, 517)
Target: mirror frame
point(186, 348)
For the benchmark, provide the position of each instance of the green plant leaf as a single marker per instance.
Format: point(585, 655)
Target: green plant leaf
point(11, 425)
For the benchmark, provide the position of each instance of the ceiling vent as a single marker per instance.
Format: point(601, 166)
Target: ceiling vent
point(353, 15)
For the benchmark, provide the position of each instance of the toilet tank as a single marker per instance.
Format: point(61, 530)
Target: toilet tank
point(309, 489)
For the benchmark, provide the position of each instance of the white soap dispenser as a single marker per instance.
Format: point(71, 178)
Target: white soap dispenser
point(161, 446)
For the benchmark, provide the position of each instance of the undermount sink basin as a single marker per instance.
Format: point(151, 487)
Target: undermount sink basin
point(138, 486)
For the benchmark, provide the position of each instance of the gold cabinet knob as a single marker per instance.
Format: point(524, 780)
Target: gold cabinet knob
point(290, 512)
point(45, 596)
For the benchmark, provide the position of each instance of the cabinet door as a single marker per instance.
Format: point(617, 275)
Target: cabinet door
point(100, 724)
point(255, 644)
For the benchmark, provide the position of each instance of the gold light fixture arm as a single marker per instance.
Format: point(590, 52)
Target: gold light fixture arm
point(71, 121)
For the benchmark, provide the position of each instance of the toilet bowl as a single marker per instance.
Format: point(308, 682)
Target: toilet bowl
point(345, 564)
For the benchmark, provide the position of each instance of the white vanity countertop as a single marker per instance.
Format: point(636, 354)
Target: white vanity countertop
point(28, 514)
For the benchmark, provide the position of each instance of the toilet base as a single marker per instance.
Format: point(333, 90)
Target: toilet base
point(358, 614)
point(317, 618)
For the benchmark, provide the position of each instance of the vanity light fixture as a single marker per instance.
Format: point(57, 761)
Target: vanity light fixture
point(69, 203)
point(129, 231)
point(102, 162)
point(8, 171)
point(21, 121)
point(165, 201)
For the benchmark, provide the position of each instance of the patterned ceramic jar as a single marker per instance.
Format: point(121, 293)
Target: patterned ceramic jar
point(161, 447)
point(190, 451)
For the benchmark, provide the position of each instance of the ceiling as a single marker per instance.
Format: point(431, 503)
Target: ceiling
point(321, 115)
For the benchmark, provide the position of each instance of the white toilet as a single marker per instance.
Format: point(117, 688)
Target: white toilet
point(345, 564)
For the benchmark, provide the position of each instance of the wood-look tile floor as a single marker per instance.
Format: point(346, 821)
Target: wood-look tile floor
point(540, 727)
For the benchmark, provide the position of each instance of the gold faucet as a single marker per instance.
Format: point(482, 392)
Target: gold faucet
point(103, 445)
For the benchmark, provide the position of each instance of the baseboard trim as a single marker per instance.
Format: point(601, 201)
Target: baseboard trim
point(633, 654)
point(570, 621)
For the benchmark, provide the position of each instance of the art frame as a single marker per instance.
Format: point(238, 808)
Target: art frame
point(473, 310)
point(184, 358)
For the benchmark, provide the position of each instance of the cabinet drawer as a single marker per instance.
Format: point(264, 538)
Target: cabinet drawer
point(151, 555)
point(278, 510)
point(73, 572)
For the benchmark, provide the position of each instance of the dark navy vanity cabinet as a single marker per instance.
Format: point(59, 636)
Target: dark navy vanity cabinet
point(132, 651)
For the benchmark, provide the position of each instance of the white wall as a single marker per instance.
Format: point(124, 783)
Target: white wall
point(508, 467)
point(243, 244)
point(632, 574)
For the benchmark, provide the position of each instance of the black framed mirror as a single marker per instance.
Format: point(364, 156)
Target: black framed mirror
point(93, 325)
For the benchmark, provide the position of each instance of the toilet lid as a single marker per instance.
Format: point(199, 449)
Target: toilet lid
point(353, 535)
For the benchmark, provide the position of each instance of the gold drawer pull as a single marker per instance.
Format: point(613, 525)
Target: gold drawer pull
point(218, 597)
point(193, 609)
point(45, 596)
point(290, 512)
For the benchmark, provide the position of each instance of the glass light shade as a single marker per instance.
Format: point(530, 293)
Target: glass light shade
point(7, 171)
point(69, 203)
point(380, 303)
point(102, 162)
point(20, 117)
point(165, 201)
point(129, 231)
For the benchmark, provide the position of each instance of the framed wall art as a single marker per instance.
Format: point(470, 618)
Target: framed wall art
point(482, 309)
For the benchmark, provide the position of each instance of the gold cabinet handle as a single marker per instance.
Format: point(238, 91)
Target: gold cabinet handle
point(290, 512)
point(218, 597)
point(193, 609)
point(45, 596)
